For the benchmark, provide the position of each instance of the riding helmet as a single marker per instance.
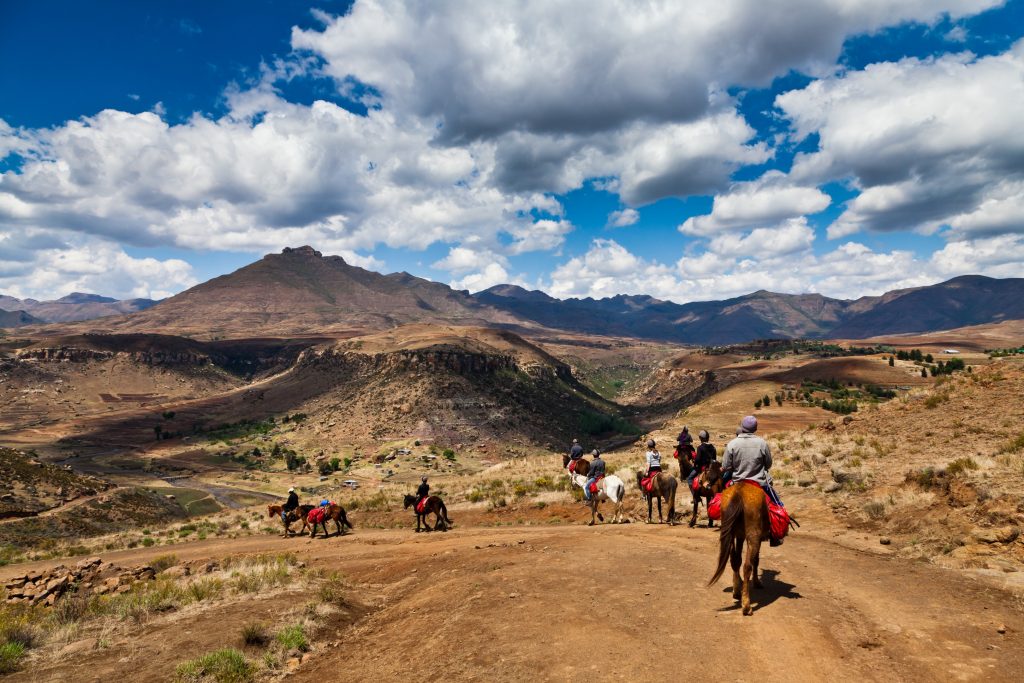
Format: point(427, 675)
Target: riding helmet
point(704, 436)
point(424, 478)
point(650, 443)
point(595, 452)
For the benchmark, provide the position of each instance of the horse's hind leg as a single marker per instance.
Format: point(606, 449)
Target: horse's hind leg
point(757, 561)
point(661, 520)
point(748, 569)
point(735, 558)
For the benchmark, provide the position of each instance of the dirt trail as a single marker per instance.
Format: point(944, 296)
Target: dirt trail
point(614, 603)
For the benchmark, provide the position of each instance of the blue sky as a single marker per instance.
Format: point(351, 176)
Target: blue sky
point(681, 151)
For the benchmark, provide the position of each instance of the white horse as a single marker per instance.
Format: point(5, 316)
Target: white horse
point(609, 488)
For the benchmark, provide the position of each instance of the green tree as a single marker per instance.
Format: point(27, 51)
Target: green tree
point(757, 404)
point(892, 363)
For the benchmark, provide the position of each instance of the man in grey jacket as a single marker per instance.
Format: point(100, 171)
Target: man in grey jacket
point(749, 457)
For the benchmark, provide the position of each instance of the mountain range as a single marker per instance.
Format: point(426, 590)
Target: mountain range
point(300, 292)
point(73, 307)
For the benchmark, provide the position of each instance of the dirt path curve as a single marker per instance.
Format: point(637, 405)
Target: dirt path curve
point(629, 603)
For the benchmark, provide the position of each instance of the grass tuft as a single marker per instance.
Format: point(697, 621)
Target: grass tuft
point(10, 657)
point(293, 638)
point(223, 666)
point(255, 633)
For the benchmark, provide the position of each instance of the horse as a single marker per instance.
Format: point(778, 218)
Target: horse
point(434, 505)
point(276, 509)
point(744, 518)
point(608, 488)
point(709, 483)
point(334, 512)
point(685, 455)
point(582, 465)
point(664, 487)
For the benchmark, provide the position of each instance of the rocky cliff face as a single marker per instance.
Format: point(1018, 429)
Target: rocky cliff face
point(457, 361)
point(72, 354)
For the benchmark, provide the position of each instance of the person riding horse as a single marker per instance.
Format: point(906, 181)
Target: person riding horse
point(596, 472)
point(706, 453)
point(749, 457)
point(653, 458)
point(291, 504)
point(422, 492)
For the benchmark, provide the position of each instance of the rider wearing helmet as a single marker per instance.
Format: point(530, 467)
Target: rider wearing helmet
point(576, 452)
point(595, 473)
point(653, 458)
point(706, 454)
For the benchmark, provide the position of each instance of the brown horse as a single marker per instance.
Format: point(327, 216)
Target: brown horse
point(685, 455)
point(333, 512)
point(434, 505)
point(582, 465)
point(710, 483)
point(299, 513)
point(664, 487)
point(744, 518)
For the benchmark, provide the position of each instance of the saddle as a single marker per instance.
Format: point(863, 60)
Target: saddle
point(572, 466)
point(421, 507)
point(647, 483)
point(593, 484)
point(696, 484)
point(778, 516)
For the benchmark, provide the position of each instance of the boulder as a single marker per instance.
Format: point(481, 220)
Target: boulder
point(806, 479)
point(832, 487)
point(177, 571)
point(819, 459)
point(844, 476)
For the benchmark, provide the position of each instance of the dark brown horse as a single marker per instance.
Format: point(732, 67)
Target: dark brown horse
point(664, 487)
point(582, 465)
point(709, 483)
point(434, 505)
point(331, 512)
point(744, 518)
point(292, 516)
point(685, 455)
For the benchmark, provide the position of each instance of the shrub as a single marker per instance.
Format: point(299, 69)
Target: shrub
point(875, 509)
point(10, 657)
point(546, 483)
point(961, 465)
point(163, 562)
point(332, 590)
point(224, 666)
point(335, 464)
point(935, 400)
point(293, 638)
point(1014, 445)
point(68, 610)
point(255, 633)
point(448, 454)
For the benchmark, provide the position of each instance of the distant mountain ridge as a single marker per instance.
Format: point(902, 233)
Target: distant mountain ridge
point(71, 308)
point(301, 292)
point(962, 301)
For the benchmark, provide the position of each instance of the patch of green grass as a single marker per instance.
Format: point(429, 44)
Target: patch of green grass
point(293, 638)
point(223, 666)
point(10, 657)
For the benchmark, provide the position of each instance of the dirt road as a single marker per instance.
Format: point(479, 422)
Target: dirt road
point(606, 603)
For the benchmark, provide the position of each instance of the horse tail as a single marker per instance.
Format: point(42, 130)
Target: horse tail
point(344, 519)
point(730, 515)
point(444, 511)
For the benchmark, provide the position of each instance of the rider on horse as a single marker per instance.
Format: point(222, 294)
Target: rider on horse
point(706, 454)
point(596, 472)
point(748, 457)
point(653, 458)
point(423, 491)
point(291, 504)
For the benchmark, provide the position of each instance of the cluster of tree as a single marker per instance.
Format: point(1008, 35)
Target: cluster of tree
point(915, 355)
point(948, 367)
point(1002, 353)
